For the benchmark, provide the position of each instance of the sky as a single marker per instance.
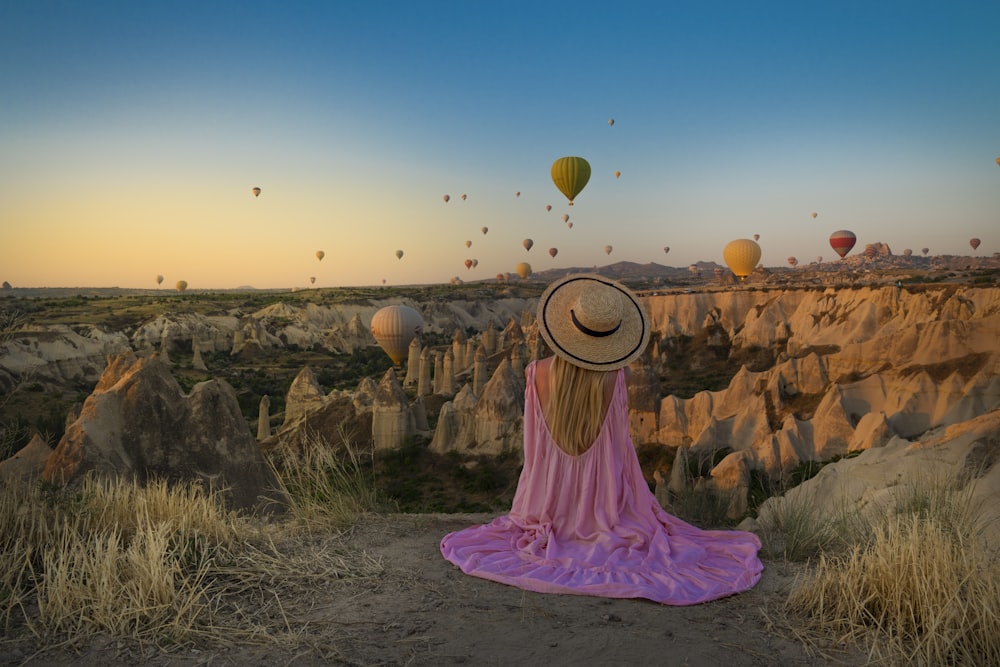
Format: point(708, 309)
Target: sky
point(132, 134)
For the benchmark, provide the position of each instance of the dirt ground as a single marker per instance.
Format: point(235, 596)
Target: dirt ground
point(418, 609)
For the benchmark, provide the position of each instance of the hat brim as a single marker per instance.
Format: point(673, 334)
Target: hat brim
point(603, 353)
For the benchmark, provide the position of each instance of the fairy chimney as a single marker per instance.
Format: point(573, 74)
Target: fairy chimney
point(392, 420)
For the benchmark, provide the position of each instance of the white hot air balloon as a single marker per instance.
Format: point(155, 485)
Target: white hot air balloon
point(394, 327)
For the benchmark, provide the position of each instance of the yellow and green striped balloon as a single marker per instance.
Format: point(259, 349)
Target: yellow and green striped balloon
point(570, 174)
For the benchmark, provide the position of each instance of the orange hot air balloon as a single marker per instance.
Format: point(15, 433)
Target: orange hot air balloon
point(608, 249)
point(523, 269)
point(741, 256)
point(565, 217)
point(256, 192)
point(394, 327)
point(618, 174)
point(814, 215)
point(974, 243)
point(468, 264)
point(842, 241)
point(181, 285)
point(527, 243)
point(553, 252)
point(320, 255)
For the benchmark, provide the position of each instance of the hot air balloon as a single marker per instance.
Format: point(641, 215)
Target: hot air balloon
point(907, 252)
point(463, 197)
point(553, 252)
point(741, 256)
point(608, 249)
point(399, 254)
point(468, 244)
point(484, 230)
point(842, 241)
point(475, 263)
point(819, 259)
point(320, 255)
point(998, 161)
point(159, 280)
point(446, 198)
point(756, 237)
point(527, 243)
point(611, 121)
point(570, 175)
point(974, 243)
point(468, 264)
point(312, 280)
point(925, 251)
point(517, 194)
point(523, 269)
point(666, 250)
point(871, 252)
point(181, 285)
point(548, 207)
point(792, 261)
point(814, 214)
point(394, 327)
point(570, 225)
point(256, 192)
point(618, 174)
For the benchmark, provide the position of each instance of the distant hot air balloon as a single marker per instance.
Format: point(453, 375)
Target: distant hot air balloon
point(181, 285)
point(312, 280)
point(446, 198)
point(159, 280)
point(463, 197)
point(842, 241)
point(741, 256)
point(819, 259)
point(998, 161)
point(517, 194)
point(548, 207)
point(611, 122)
point(974, 243)
point(553, 252)
point(871, 252)
point(527, 243)
point(792, 261)
point(907, 252)
point(320, 255)
point(756, 237)
point(475, 263)
point(618, 174)
point(814, 214)
point(570, 175)
point(666, 250)
point(565, 217)
point(468, 264)
point(570, 225)
point(399, 254)
point(925, 250)
point(484, 230)
point(608, 249)
point(256, 192)
point(468, 244)
point(394, 327)
point(523, 269)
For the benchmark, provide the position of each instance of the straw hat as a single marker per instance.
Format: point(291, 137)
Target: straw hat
point(593, 322)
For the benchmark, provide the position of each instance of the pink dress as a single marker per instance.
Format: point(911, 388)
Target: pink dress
point(589, 525)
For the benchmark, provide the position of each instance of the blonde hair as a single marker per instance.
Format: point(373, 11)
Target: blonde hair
point(575, 406)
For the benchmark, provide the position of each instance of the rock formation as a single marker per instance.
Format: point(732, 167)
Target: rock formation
point(28, 463)
point(392, 420)
point(138, 424)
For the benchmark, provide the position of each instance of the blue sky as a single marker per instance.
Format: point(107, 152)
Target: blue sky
point(131, 134)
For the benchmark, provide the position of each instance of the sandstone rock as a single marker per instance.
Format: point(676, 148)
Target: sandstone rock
point(499, 415)
point(28, 463)
point(392, 420)
point(57, 355)
point(138, 424)
point(264, 418)
point(304, 395)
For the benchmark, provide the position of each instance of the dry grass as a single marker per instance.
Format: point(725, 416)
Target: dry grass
point(166, 564)
point(921, 589)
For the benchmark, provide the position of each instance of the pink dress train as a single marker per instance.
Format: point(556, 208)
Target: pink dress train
point(589, 525)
